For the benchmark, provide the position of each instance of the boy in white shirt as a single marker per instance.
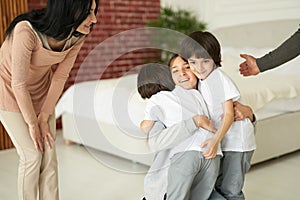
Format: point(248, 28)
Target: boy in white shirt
point(190, 175)
point(202, 51)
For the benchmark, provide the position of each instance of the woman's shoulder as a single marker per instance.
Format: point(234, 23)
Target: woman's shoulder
point(23, 25)
point(23, 31)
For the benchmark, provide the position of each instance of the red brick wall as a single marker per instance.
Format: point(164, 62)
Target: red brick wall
point(36, 4)
point(114, 16)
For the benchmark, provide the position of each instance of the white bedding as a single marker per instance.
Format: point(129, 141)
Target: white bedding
point(111, 101)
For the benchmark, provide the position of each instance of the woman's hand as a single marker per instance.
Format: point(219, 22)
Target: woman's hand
point(45, 131)
point(202, 121)
point(46, 134)
point(36, 137)
point(242, 111)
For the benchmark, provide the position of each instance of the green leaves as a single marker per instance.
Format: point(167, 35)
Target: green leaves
point(179, 20)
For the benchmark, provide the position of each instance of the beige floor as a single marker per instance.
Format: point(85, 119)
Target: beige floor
point(86, 177)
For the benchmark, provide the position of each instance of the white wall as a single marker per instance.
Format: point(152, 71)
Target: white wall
point(224, 13)
point(192, 5)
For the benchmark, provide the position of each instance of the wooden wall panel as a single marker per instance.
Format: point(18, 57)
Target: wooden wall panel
point(9, 9)
point(5, 142)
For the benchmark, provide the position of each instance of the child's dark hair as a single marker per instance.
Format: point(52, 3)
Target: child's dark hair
point(201, 45)
point(153, 78)
point(59, 19)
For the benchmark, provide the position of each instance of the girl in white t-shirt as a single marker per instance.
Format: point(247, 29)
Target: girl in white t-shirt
point(202, 50)
point(190, 175)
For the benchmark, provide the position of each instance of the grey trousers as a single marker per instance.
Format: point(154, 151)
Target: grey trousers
point(191, 176)
point(230, 182)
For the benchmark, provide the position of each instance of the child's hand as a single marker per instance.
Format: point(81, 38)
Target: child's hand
point(202, 121)
point(211, 145)
point(146, 126)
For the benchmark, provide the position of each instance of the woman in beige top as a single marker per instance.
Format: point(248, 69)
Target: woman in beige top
point(29, 89)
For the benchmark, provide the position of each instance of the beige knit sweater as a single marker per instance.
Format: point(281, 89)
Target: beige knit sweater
point(27, 83)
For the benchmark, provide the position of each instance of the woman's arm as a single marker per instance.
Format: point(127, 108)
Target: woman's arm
point(161, 137)
point(24, 41)
point(59, 78)
point(56, 87)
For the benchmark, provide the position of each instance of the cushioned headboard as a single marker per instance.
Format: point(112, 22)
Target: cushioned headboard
point(248, 23)
point(257, 35)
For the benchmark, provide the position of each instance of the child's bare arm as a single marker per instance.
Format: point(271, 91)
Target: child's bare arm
point(212, 143)
point(146, 126)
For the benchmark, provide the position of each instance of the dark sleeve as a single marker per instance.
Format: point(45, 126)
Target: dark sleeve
point(161, 138)
point(254, 118)
point(288, 50)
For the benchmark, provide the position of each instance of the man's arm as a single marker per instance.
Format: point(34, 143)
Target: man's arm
point(288, 50)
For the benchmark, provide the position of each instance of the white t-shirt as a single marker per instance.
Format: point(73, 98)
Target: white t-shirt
point(172, 107)
point(216, 89)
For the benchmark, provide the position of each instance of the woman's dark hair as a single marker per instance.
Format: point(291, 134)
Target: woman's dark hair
point(153, 78)
point(173, 57)
point(58, 19)
point(201, 45)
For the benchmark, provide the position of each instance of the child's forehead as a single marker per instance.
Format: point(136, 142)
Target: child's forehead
point(179, 59)
point(199, 57)
point(199, 53)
